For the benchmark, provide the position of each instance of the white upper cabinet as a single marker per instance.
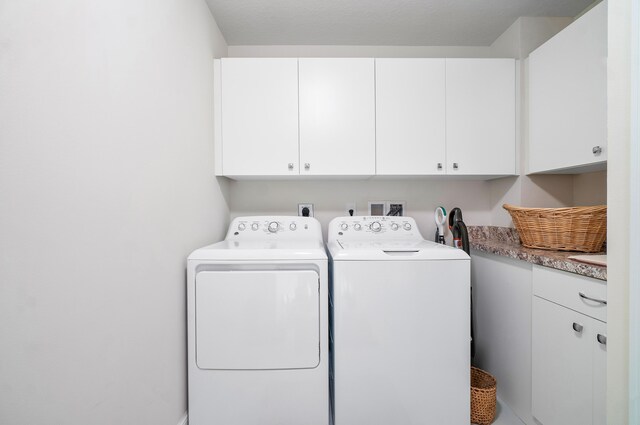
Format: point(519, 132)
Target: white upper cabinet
point(481, 116)
point(568, 97)
point(337, 116)
point(259, 117)
point(410, 116)
point(278, 117)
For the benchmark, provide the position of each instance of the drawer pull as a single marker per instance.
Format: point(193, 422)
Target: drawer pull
point(602, 339)
point(577, 327)
point(584, 297)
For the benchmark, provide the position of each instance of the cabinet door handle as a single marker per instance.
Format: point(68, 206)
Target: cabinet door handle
point(584, 297)
point(577, 327)
point(439, 165)
point(597, 150)
point(290, 166)
point(602, 339)
point(455, 165)
point(307, 165)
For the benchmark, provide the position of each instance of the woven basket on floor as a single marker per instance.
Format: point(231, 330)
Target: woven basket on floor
point(483, 397)
point(563, 229)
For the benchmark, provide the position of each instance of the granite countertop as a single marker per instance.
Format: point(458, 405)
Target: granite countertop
point(504, 241)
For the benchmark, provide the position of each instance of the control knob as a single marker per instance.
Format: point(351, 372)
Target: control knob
point(273, 226)
point(344, 226)
point(357, 226)
point(293, 226)
point(241, 226)
point(255, 226)
point(375, 226)
point(407, 226)
point(394, 226)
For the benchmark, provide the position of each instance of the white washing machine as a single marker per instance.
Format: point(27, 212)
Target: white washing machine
point(399, 325)
point(258, 325)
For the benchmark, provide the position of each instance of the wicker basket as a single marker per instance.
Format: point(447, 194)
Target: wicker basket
point(562, 229)
point(483, 397)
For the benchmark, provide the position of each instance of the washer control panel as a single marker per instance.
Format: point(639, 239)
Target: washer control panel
point(278, 227)
point(373, 227)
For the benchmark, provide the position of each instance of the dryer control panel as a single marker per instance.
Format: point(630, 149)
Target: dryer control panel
point(274, 227)
point(373, 228)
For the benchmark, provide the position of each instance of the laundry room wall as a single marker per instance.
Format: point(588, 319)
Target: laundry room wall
point(106, 185)
point(590, 188)
point(330, 197)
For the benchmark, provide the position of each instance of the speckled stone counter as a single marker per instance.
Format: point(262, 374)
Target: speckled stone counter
point(504, 241)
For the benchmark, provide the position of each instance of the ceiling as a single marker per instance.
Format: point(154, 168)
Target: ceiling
point(378, 22)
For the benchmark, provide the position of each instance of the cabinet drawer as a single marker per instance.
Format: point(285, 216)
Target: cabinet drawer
point(579, 293)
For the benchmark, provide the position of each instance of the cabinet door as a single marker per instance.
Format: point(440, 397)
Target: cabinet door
point(568, 96)
point(600, 374)
point(481, 116)
point(337, 116)
point(259, 116)
point(410, 116)
point(562, 373)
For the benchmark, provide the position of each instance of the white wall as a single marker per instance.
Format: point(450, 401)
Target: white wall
point(331, 196)
point(618, 194)
point(106, 185)
point(590, 188)
point(634, 232)
point(362, 51)
point(527, 34)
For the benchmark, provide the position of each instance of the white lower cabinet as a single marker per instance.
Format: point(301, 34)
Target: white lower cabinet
point(600, 375)
point(502, 314)
point(543, 341)
point(568, 352)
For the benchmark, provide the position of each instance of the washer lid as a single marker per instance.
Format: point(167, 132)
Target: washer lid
point(261, 250)
point(393, 250)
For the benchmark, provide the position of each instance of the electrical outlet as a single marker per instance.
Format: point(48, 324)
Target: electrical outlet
point(305, 213)
point(350, 209)
point(377, 208)
point(396, 208)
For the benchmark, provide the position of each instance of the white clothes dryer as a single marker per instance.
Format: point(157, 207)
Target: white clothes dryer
point(258, 325)
point(399, 326)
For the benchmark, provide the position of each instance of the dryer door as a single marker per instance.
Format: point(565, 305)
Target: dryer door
point(257, 319)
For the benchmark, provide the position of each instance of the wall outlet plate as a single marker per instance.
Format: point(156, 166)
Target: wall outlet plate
point(301, 207)
point(377, 208)
point(350, 209)
point(398, 208)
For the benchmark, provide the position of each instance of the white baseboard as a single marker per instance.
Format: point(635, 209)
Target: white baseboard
point(184, 419)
